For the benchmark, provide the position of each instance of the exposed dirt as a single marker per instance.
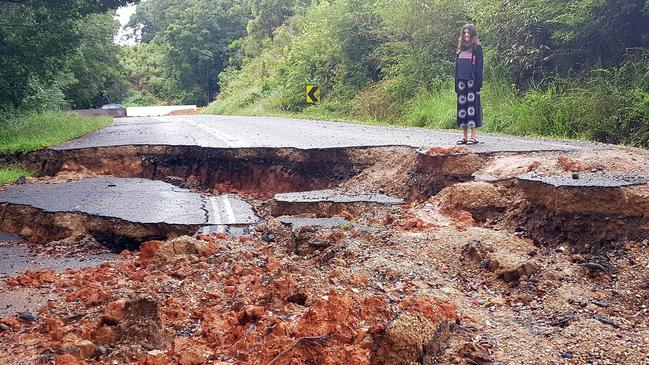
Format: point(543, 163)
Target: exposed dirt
point(252, 301)
point(621, 160)
point(39, 226)
point(260, 172)
point(481, 266)
point(184, 112)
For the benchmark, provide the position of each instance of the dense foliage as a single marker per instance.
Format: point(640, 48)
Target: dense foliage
point(40, 39)
point(577, 68)
point(193, 37)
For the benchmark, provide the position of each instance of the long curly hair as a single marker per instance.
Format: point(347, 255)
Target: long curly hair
point(473, 43)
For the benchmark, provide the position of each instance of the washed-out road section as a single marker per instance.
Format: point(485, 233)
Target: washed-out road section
point(133, 200)
point(143, 201)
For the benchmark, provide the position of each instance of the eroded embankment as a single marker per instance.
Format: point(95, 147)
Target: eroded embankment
point(547, 212)
point(258, 171)
point(267, 171)
point(37, 225)
point(554, 215)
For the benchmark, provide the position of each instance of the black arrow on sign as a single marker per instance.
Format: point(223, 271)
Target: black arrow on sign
point(311, 94)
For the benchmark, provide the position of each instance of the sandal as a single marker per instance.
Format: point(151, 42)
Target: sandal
point(472, 141)
point(462, 141)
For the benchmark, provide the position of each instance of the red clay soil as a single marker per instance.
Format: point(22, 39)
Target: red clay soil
point(439, 151)
point(213, 303)
point(253, 300)
point(184, 112)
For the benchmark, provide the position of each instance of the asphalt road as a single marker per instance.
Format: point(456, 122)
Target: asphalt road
point(240, 132)
point(133, 200)
point(330, 196)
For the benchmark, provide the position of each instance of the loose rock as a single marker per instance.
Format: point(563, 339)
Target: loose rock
point(411, 337)
point(28, 316)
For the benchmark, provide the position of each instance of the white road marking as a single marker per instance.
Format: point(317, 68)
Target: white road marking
point(220, 225)
point(229, 140)
point(228, 210)
point(215, 208)
point(222, 201)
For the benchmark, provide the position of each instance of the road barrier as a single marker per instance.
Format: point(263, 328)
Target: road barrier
point(115, 113)
point(155, 111)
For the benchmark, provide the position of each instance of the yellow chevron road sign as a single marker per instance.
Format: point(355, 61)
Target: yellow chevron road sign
point(312, 94)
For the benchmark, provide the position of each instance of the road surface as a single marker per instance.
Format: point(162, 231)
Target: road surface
point(133, 200)
point(145, 201)
point(241, 132)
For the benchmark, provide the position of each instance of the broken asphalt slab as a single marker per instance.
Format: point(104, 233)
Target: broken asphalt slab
point(133, 200)
point(586, 180)
point(16, 259)
point(213, 131)
point(298, 222)
point(330, 196)
point(329, 203)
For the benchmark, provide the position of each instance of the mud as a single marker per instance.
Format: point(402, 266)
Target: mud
point(582, 230)
point(449, 255)
point(552, 216)
point(385, 297)
point(264, 172)
point(259, 171)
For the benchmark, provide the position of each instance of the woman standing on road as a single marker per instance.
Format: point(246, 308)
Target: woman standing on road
point(468, 81)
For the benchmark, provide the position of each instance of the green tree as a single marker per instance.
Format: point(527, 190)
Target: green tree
point(97, 75)
point(268, 15)
point(36, 38)
point(197, 35)
point(146, 71)
point(541, 38)
point(153, 17)
point(419, 39)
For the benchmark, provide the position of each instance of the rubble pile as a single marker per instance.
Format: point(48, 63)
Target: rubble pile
point(191, 301)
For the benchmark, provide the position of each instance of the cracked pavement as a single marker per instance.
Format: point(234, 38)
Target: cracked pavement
point(134, 200)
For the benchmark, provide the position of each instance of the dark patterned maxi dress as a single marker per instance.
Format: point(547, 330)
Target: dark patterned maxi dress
point(467, 83)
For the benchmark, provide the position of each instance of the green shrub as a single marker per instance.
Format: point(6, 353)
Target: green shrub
point(141, 98)
point(379, 61)
point(379, 101)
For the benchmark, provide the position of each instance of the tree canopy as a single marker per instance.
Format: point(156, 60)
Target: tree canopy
point(196, 35)
point(373, 57)
point(37, 40)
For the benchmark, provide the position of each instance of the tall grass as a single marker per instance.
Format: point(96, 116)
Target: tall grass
point(610, 105)
point(10, 174)
point(31, 132)
point(561, 109)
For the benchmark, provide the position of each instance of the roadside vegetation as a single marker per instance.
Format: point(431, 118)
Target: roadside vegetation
point(572, 70)
point(56, 55)
point(9, 174)
point(34, 131)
